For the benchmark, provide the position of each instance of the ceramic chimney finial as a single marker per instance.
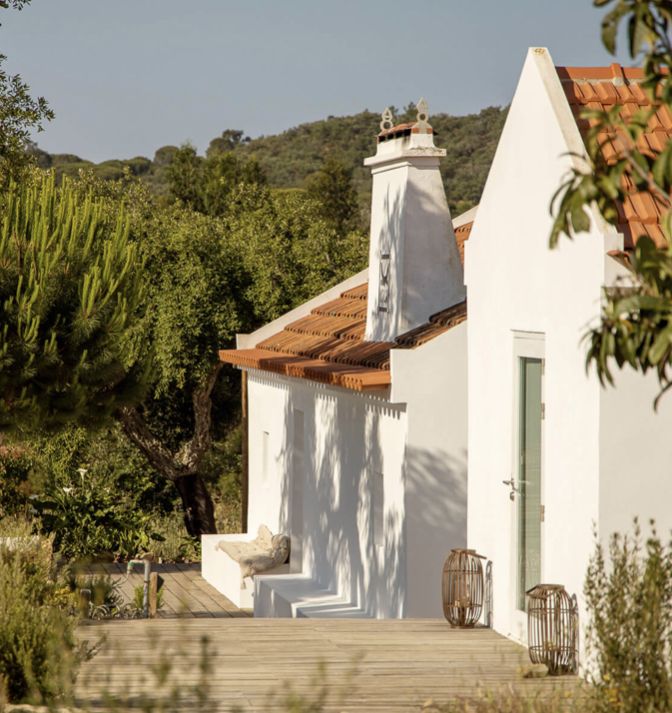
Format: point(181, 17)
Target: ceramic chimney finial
point(422, 116)
point(387, 119)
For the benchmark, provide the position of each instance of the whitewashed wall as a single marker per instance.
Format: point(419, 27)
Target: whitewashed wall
point(635, 456)
point(348, 439)
point(432, 381)
point(515, 283)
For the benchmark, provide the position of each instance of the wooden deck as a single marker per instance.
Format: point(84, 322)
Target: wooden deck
point(185, 592)
point(392, 666)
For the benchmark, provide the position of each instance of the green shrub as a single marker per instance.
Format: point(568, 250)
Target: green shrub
point(38, 653)
point(170, 541)
point(15, 488)
point(227, 494)
point(97, 494)
point(139, 598)
point(89, 519)
point(516, 702)
point(17, 526)
point(629, 596)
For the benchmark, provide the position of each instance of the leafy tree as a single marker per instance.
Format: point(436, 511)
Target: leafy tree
point(19, 115)
point(185, 177)
point(636, 323)
point(164, 155)
point(204, 184)
point(228, 141)
point(333, 189)
point(288, 251)
point(222, 172)
point(70, 296)
point(193, 275)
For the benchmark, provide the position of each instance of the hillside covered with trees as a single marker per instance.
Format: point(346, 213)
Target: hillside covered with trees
point(289, 159)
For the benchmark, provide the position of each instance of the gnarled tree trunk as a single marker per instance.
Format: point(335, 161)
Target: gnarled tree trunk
point(182, 467)
point(199, 512)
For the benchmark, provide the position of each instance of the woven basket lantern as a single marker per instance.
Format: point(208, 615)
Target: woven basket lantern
point(552, 628)
point(463, 587)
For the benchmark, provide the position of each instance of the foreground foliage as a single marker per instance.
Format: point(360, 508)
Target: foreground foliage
point(39, 656)
point(629, 596)
point(636, 324)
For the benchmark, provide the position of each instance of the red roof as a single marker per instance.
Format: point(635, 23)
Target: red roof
point(328, 344)
point(602, 88)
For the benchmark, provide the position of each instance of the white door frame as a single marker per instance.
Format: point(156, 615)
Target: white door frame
point(531, 345)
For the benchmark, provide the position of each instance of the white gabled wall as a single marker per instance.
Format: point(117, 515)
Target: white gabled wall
point(348, 439)
point(515, 283)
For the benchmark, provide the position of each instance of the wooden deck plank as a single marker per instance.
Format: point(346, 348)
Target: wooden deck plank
point(197, 598)
point(400, 663)
point(185, 592)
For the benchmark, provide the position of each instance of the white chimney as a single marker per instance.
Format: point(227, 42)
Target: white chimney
point(414, 263)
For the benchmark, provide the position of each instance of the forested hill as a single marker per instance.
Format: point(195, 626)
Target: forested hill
point(290, 157)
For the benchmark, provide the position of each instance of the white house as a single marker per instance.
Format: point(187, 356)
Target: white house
point(574, 456)
point(358, 399)
point(357, 412)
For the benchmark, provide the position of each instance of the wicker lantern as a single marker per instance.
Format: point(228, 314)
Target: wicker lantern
point(552, 628)
point(463, 587)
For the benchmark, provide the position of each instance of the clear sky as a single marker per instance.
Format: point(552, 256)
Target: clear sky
point(128, 76)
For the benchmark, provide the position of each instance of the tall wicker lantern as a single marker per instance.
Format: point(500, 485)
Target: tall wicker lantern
point(552, 628)
point(463, 587)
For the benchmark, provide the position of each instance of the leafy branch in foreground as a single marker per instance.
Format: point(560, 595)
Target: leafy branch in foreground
point(636, 320)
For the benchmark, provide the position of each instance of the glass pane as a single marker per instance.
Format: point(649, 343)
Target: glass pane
point(529, 478)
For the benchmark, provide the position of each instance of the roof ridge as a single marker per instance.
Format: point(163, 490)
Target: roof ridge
point(615, 72)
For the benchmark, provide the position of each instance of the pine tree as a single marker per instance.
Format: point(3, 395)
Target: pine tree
point(70, 299)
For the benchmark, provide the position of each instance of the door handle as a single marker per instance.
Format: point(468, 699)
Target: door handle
point(512, 484)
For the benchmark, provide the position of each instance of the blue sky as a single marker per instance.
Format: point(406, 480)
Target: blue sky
point(128, 76)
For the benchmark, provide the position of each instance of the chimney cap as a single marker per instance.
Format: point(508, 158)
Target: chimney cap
point(420, 126)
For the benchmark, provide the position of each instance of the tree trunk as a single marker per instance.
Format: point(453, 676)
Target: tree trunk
point(199, 512)
point(181, 468)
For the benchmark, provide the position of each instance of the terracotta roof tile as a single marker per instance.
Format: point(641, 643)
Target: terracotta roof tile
point(328, 344)
point(344, 307)
point(461, 236)
point(603, 88)
point(438, 324)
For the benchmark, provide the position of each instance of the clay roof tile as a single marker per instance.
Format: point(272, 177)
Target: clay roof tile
point(596, 88)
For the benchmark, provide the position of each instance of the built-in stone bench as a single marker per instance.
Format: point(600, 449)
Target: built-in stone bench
point(224, 573)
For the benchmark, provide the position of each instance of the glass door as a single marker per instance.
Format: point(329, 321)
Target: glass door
point(529, 508)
